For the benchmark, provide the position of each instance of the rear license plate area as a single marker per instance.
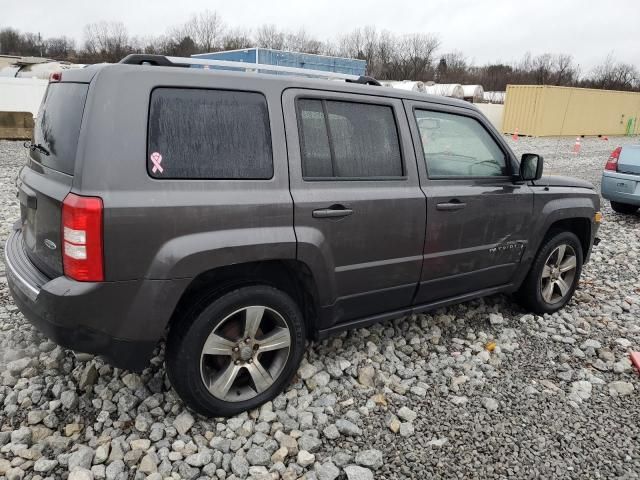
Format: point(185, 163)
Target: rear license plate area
point(625, 186)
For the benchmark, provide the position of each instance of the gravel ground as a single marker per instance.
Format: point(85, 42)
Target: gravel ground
point(478, 390)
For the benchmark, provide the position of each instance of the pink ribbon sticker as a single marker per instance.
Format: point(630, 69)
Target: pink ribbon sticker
point(156, 158)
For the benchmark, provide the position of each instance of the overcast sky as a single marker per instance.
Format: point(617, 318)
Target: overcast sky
point(489, 30)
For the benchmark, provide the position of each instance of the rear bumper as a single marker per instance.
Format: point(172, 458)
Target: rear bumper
point(121, 321)
point(621, 187)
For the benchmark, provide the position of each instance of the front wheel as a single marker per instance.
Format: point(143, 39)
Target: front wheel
point(238, 352)
point(554, 274)
point(623, 208)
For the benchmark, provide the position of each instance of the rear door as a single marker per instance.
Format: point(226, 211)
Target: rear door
point(477, 218)
point(359, 212)
point(46, 179)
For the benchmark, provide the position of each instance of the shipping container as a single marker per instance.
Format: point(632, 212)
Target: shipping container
point(350, 66)
point(541, 110)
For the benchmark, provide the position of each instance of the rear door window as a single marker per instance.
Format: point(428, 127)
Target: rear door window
point(209, 134)
point(341, 139)
point(57, 127)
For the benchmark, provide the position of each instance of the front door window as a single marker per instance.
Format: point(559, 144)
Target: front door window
point(458, 146)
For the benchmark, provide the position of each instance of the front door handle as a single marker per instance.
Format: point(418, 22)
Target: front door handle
point(450, 206)
point(334, 211)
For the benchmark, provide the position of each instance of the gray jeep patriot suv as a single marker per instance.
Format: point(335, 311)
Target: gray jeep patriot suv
point(239, 214)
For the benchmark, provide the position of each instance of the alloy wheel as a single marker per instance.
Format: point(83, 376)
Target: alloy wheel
point(245, 353)
point(558, 274)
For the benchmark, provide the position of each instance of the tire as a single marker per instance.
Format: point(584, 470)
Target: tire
point(533, 288)
point(189, 365)
point(623, 208)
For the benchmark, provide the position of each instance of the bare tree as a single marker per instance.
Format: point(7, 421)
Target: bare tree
point(206, 29)
point(368, 44)
point(495, 77)
point(32, 44)
point(177, 44)
point(388, 56)
point(236, 39)
point(416, 56)
point(269, 36)
point(615, 75)
point(106, 41)
point(352, 44)
point(541, 68)
point(59, 48)
point(387, 52)
point(566, 71)
point(549, 69)
point(301, 41)
point(11, 42)
point(452, 68)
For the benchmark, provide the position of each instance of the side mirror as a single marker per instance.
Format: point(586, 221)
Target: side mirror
point(531, 166)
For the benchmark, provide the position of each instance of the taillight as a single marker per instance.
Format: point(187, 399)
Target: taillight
point(55, 77)
point(82, 238)
point(612, 163)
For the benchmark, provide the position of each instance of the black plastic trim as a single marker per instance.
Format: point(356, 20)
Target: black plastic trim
point(126, 354)
point(366, 80)
point(371, 320)
point(156, 60)
point(19, 264)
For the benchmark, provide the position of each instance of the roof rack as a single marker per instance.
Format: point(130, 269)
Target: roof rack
point(187, 62)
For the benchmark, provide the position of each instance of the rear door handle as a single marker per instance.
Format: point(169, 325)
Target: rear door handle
point(334, 211)
point(450, 206)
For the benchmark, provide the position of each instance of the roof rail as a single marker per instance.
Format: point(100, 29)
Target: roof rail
point(187, 62)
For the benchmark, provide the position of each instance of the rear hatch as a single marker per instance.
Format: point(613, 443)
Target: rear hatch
point(629, 161)
point(47, 178)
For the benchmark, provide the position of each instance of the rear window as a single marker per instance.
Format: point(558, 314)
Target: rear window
point(209, 134)
point(57, 127)
point(341, 139)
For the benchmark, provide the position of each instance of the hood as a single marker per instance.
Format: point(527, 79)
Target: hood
point(559, 181)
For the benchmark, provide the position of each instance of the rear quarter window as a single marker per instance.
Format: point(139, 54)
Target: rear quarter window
point(208, 134)
point(57, 127)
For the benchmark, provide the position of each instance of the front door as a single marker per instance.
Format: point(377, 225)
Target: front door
point(478, 219)
point(359, 211)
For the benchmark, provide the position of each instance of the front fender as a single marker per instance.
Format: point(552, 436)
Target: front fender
point(189, 255)
point(554, 211)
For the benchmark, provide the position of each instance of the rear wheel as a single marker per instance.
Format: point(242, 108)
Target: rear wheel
point(623, 207)
point(234, 352)
point(554, 274)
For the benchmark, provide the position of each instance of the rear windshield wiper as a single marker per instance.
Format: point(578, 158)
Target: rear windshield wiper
point(37, 146)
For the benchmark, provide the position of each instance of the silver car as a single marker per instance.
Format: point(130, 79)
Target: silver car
point(621, 179)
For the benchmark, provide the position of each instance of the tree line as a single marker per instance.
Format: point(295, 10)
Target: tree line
point(389, 56)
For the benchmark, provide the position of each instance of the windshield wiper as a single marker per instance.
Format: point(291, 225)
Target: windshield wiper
point(37, 146)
